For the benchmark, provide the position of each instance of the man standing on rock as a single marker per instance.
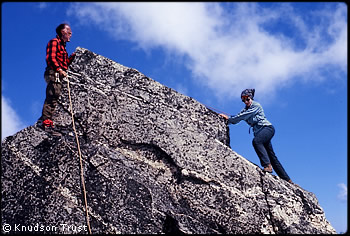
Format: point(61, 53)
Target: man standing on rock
point(57, 61)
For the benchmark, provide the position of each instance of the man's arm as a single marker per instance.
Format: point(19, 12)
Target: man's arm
point(51, 54)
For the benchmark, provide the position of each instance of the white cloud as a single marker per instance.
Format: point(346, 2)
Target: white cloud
point(42, 5)
point(10, 121)
point(229, 49)
point(343, 192)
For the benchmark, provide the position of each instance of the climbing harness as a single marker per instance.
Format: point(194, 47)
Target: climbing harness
point(80, 156)
point(57, 77)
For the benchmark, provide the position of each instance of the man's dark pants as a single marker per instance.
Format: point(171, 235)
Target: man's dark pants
point(263, 148)
point(53, 91)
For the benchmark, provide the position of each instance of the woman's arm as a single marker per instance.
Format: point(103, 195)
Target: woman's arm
point(245, 114)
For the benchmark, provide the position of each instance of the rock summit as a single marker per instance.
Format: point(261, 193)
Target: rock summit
point(154, 161)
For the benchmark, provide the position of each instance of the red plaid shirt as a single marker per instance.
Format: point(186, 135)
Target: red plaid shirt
point(57, 56)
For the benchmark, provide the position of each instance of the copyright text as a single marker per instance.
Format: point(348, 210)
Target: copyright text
point(7, 228)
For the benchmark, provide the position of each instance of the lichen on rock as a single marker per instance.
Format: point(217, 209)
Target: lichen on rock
point(155, 161)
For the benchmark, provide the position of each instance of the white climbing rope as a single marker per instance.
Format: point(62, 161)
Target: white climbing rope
point(81, 160)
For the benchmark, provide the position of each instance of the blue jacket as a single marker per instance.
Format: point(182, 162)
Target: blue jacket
point(253, 115)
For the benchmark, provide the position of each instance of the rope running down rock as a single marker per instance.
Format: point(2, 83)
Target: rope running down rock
point(81, 161)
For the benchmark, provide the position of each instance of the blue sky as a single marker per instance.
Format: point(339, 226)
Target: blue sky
point(293, 54)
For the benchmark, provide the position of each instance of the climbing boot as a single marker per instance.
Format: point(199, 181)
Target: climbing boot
point(47, 123)
point(49, 128)
point(268, 168)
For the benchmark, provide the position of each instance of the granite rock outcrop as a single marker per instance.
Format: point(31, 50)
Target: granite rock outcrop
point(155, 161)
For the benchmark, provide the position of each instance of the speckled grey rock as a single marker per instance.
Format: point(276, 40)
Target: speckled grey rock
point(155, 161)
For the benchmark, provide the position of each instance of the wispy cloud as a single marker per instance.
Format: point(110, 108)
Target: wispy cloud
point(10, 121)
point(343, 192)
point(42, 5)
point(231, 48)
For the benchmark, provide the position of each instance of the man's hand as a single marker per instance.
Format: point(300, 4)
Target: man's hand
point(223, 115)
point(62, 73)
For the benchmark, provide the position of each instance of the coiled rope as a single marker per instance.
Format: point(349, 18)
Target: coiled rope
point(81, 160)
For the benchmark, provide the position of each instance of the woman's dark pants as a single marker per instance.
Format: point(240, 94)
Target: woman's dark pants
point(263, 148)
